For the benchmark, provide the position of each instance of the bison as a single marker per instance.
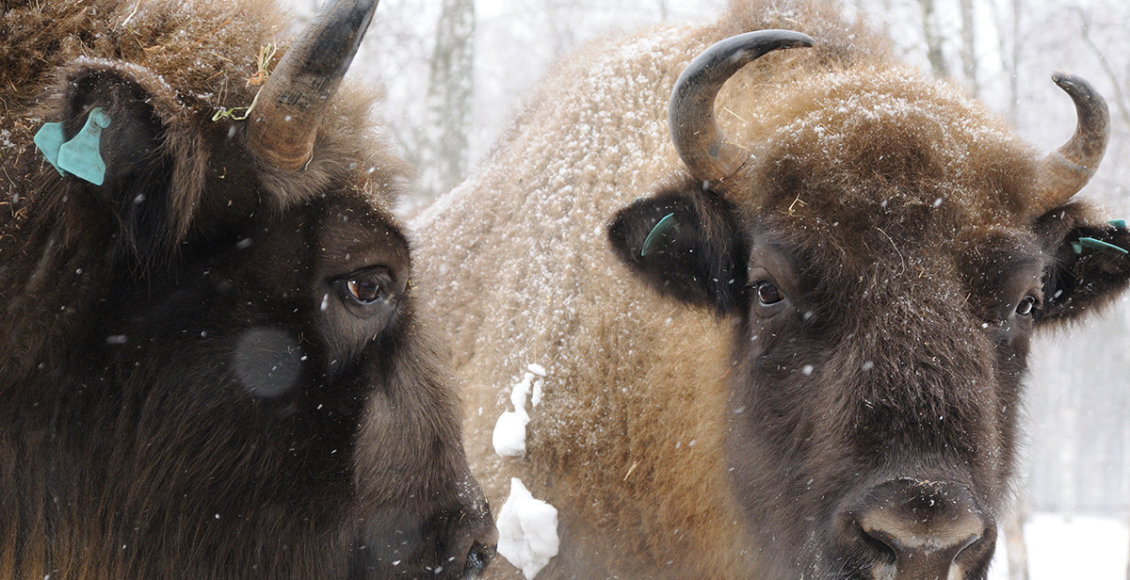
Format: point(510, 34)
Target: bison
point(783, 300)
point(210, 360)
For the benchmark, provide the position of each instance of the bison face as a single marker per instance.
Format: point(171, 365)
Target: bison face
point(878, 379)
point(217, 333)
point(342, 264)
point(886, 287)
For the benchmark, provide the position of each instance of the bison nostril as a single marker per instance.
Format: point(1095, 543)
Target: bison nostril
point(880, 546)
point(477, 559)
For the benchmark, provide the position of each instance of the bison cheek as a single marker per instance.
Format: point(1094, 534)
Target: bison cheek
point(347, 333)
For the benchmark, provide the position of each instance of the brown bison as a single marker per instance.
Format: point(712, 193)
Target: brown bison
point(210, 362)
point(784, 331)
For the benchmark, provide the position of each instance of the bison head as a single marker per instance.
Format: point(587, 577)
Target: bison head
point(889, 249)
point(217, 335)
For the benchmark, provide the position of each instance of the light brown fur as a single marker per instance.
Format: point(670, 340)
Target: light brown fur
point(628, 441)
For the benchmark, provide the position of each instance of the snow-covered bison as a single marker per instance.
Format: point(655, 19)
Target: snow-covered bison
point(784, 327)
point(210, 364)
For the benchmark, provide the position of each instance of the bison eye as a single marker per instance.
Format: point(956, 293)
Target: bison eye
point(1027, 305)
point(767, 293)
point(365, 287)
point(364, 290)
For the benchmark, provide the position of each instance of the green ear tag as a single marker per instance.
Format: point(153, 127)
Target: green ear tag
point(664, 224)
point(49, 139)
point(1118, 223)
point(1100, 245)
point(81, 155)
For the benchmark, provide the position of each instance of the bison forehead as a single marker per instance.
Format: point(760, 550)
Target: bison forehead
point(861, 142)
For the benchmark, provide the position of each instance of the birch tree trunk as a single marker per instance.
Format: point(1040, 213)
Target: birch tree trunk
point(969, 46)
point(1015, 542)
point(933, 40)
point(449, 98)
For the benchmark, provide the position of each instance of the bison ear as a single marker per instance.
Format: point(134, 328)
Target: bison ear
point(1091, 266)
point(687, 244)
point(114, 132)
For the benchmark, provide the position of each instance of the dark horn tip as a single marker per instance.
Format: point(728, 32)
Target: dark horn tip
point(1074, 85)
point(791, 39)
point(783, 38)
point(1094, 116)
point(747, 47)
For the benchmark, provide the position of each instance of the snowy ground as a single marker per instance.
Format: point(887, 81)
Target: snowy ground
point(1087, 547)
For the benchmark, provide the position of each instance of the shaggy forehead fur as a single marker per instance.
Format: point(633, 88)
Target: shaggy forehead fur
point(198, 55)
point(865, 141)
point(194, 43)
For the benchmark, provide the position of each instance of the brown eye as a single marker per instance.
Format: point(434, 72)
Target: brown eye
point(1027, 305)
point(366, 287)
point(365, 291)
point(767, 294)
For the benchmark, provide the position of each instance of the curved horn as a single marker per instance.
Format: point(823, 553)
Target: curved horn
point(289, 107)
point(701, 144)
point(1065, 171)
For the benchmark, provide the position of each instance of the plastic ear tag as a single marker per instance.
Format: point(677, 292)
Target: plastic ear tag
point(1100, 245)
point(81, 155)
point(49, 139)
point(1118, 223)
point(664, 224)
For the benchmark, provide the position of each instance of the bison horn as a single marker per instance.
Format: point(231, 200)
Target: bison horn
point(289, 107)
point(701, 144)
point(1065, 171)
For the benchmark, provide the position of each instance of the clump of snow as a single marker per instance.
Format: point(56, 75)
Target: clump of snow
point(509, 437)
point(527, 530)
point(538, 382)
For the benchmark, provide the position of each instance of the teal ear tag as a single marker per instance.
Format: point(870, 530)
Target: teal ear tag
point(49, 139)
point(81, 155)
point(663, 225)
point(1100, 245)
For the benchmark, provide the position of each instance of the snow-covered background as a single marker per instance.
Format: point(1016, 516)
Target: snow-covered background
point(449, 94)
point(1083, 547)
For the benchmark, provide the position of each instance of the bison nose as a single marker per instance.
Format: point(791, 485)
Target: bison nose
point(476, 526)
point(927, 529)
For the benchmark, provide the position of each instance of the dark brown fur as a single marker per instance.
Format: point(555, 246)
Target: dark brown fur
point(687, 430)
point(186, 388)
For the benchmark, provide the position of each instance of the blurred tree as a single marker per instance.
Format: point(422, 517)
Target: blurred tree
point(1006, 17)
point(1014, 539)
point(447, 127)
point(969, 45)
point(933, 39)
